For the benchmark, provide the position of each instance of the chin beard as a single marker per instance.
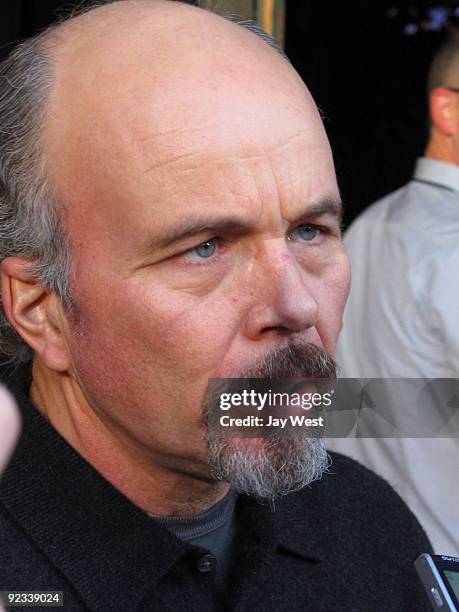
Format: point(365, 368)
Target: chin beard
point(267, 468)
point(275, 465)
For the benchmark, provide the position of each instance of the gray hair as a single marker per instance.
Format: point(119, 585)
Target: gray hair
point(31, 219)
point(30, 224)
point(255, 28)
point(281, 465)
point(281, 462)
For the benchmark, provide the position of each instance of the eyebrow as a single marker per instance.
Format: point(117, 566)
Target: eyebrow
point(328, 206)
point(193, 227)
point(198, 226)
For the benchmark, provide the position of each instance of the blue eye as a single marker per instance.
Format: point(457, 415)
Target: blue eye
point(308, 232)
point(204, 250)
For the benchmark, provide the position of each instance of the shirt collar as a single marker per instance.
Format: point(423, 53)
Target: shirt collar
point(437, 172)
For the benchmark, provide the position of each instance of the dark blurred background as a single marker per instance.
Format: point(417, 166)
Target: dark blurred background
point(365, 62)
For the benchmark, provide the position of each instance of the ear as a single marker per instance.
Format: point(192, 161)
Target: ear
point(35, 312)
point(444, 110)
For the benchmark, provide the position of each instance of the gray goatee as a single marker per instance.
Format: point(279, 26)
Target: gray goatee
point(267, 468)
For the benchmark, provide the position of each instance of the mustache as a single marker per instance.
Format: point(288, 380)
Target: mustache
point(297, 360)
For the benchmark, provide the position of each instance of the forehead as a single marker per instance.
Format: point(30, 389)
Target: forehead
point(139, 178)
point(141, 142)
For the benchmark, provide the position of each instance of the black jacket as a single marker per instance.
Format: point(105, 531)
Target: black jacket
point(346, 543)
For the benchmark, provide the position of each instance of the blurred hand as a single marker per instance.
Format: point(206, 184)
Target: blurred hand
point(9, 430)
point(9, 426)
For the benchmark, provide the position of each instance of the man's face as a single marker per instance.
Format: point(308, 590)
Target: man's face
point(204, 235)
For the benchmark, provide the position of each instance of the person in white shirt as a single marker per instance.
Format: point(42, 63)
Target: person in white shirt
point(402, 318)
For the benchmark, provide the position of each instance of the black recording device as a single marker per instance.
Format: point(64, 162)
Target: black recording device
point(440, 576)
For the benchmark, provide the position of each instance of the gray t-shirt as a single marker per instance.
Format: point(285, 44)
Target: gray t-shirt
point(213, 530)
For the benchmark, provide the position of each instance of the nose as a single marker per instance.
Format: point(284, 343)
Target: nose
point(283, 303)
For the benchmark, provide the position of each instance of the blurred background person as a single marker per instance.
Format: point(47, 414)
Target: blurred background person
point(402, 318)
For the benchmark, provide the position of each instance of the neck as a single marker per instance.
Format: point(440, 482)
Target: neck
point(128, 465)
point(442, 148)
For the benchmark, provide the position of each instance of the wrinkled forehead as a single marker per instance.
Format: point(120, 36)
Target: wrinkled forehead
point(120, 124)
point(144, 124)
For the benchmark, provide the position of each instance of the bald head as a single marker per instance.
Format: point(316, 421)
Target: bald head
point(145, 84)
point(119, 44)
point(147, 64)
